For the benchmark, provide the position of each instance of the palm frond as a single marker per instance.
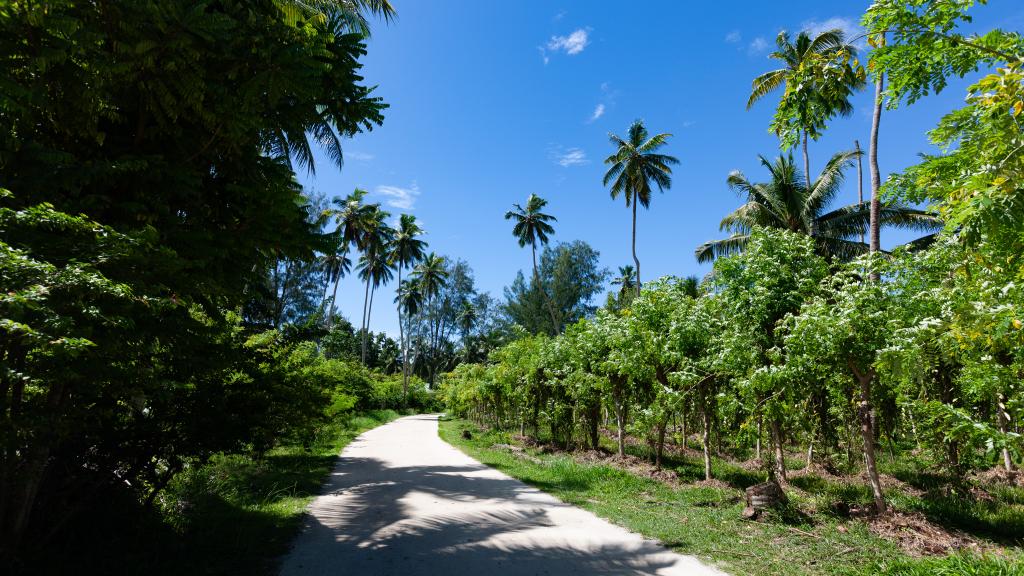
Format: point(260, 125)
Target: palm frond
point(713, 249)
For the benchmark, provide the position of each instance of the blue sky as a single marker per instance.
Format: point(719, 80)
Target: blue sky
point(493, 101)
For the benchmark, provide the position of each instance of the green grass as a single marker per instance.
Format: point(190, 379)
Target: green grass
point(705, 521)
point(234, 515)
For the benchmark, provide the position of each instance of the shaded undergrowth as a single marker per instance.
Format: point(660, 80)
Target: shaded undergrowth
point(234, 515)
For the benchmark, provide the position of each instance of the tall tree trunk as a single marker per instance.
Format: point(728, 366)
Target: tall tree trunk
point(366, 332)
point(807, 163)
point(860, 180)
point(868, 434)
point(780, 456)
point(366, 302)
point(334, 301)
point(876, 178)
point(323, 297)
point(636, 260)
point(401, 341)
point(536, 280)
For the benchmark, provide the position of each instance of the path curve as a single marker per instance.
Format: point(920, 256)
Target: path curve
point(403, 502)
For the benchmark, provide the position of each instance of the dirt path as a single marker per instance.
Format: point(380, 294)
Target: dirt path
point(403, 502)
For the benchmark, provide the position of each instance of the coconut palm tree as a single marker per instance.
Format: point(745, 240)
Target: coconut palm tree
point(406, 250)
point(633, 166)
point(784, 202)
point(691, 286)
point(374, 267)
point(336, 265)
point(818, 76)
point(467, 318)
point(352, 218)
point(431, 274)
point(532, 227)
point(354, 13)
point(626, 280)
point(409, 300)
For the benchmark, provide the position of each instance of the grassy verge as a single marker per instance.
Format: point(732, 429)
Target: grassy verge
point(705, 521)
point(235, 515)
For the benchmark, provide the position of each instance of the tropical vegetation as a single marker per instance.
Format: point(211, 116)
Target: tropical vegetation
point(177, 375)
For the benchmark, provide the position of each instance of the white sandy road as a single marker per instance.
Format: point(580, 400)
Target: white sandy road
point(403, 502)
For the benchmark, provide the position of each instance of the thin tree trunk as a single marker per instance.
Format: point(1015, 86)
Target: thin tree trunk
point(551, 305)
point(366, 302)
point(620, 418)
point(876, 178)
point(1003, 418)
point(860, 180)
point(780, 457)
point(401, 341)
point(757, 442)
point(636, 260)
point(705, 438)
point(366, 332)
point(810, 451)
point(683, 418)
point(807, 164)
point(334, 301)
point(868, 435)
point(661, 443)
point(594, 415)
point(323, 297)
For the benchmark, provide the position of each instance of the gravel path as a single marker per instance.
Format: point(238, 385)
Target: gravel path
point(403, 502)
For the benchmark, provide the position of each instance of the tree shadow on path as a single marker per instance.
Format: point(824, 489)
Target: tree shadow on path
point(366, 525)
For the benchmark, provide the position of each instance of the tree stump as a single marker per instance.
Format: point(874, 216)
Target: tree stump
point(761, 497)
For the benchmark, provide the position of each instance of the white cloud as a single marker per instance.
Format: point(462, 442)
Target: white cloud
point(398, 197)
point(733, 37)
point(849, 27)
point(598, 112)
point(561, 14)
point(572, 44)
point(569, 157)
point(757, 45)
point(359, 156)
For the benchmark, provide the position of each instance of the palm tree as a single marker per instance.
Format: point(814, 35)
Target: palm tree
point(351, 15)
point(626, 280)
point(532, 227)
point(376, 270)
point(818, 79)
point(431, 274)
point(409, 300)
point(691, 286)
point(336, 265)
point(374, 267)
point(352, 218)
point(784, 202)
point(875, 236)
point(467, 318)
point(633, 166)
point(406, 250)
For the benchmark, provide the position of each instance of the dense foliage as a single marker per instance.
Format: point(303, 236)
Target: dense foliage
point(155, 249)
